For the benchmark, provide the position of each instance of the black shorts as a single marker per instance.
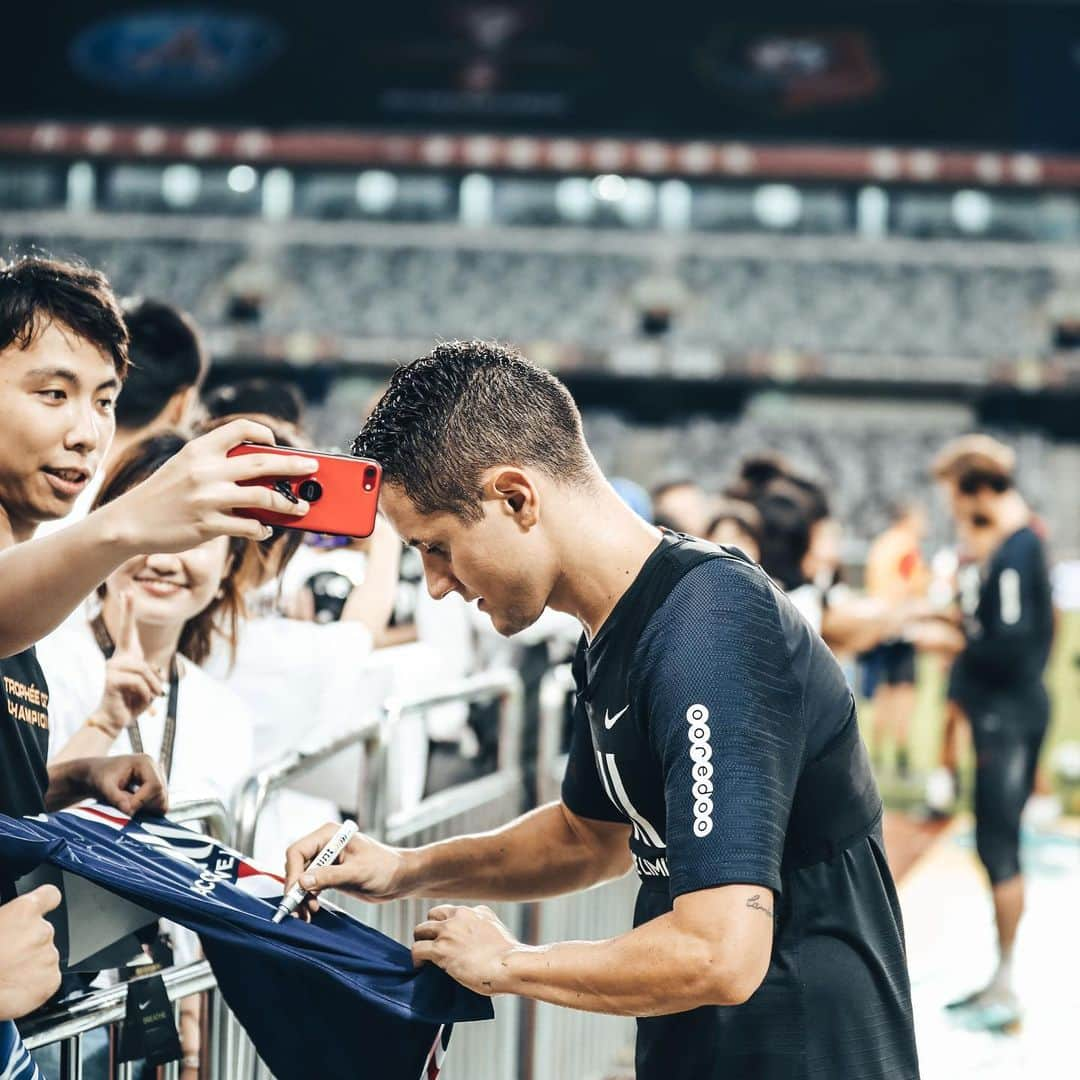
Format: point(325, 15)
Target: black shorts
point(889, 664)
point(1008, 736)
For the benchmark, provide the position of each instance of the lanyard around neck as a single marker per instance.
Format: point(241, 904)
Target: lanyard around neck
point(168, 739)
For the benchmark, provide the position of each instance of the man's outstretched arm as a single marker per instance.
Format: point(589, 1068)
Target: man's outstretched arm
point(546, 852)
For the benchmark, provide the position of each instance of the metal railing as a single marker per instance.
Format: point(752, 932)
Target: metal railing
point(67, 1024)
point(567, 1042)
point(480, 1051)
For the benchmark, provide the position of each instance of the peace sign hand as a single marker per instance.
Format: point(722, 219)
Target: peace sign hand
point(131, 684)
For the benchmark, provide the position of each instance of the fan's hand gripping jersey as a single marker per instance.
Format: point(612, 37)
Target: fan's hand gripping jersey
point(329, 998)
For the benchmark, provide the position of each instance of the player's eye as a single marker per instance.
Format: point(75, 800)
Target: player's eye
point(53, 395)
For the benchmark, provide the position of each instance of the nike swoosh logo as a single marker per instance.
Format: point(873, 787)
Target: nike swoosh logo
point(144, 1004)
point(609, 721)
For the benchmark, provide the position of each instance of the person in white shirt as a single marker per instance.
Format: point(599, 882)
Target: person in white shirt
point(129, 674)
point(127, 677)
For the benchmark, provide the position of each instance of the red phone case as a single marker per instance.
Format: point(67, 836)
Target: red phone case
point(348, 492)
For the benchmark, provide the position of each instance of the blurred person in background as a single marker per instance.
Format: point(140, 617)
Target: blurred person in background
point(682, 506)
point(738, 523)
point(168, 364)
point(896, 575)
point(800, 543)
point(998, 682)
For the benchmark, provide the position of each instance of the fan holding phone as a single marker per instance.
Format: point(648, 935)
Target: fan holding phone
point(343, 495)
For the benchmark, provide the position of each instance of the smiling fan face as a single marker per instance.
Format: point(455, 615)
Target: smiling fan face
point(167, 590)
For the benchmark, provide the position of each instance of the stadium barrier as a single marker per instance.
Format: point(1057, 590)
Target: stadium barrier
point(479, 1051)
point(106, 1008)
point(566, 1042)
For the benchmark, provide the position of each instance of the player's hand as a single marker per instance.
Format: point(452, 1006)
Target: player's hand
point(365, 869)
point(131, 782)
point(29, 962)
point(469, 943)
point(193, 496)
point(131, 684)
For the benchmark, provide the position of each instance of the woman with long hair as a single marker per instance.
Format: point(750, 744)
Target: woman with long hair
point(129, 675)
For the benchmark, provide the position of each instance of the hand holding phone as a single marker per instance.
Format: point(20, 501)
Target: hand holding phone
point(342, 495)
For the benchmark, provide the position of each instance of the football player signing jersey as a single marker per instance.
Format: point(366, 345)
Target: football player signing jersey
point(717, 724)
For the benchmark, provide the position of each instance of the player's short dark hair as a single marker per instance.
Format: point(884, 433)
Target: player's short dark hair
point(466, 406)
point(265, 397)
point(222, 615)
point(167, 356)
point(36, 291)
point(786, 517)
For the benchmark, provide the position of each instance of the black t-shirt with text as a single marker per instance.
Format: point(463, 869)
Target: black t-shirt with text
point(24, 738)
point(716, 723)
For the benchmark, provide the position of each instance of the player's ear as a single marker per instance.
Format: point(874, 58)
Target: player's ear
point(516, 493)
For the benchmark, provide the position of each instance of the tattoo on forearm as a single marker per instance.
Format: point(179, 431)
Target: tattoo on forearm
point(755, 902)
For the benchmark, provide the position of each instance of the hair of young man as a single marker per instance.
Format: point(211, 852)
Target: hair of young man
point(222, 615)
point(744, 515)
point(266, 397)
point(786, 517)
point(167, 356)
point(465, 407)
point(36, 291)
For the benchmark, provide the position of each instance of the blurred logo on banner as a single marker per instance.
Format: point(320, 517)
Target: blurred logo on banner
point(173, 53)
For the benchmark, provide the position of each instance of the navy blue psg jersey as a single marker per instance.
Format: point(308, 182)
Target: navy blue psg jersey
point(331, 998)
point(715, 722)
point(15, 1060)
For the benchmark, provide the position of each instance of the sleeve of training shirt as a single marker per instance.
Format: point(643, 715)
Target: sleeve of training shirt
point(724, 713)
point(1016, 603)
point(582, 791)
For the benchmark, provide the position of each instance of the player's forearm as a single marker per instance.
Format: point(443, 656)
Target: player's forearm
point(654, 970)
point(43, 581)
point(537, 855)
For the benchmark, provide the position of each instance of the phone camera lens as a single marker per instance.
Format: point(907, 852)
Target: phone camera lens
point(310, 491)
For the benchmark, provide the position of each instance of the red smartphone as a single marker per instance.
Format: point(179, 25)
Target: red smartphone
point(343, 493)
